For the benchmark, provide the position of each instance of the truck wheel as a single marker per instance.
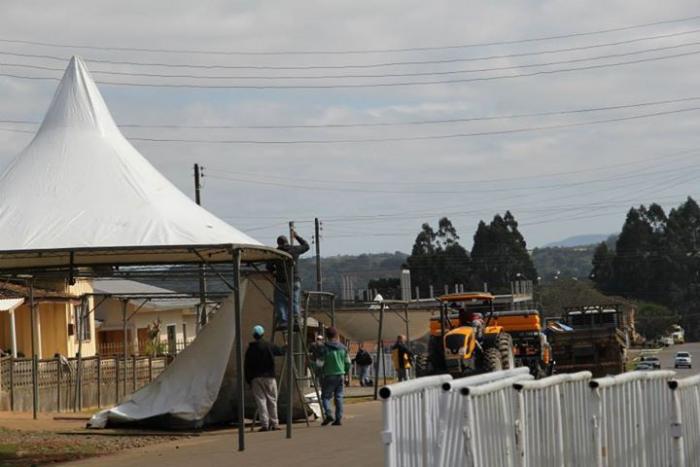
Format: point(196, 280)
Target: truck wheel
point(505, 348)
point(492, 360)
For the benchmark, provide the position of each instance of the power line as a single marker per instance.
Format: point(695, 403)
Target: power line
point(365, 76)
point(367, 85)
point(398, 124)
point(416, 138)
point(676, 155)
point(353, 52)
point(359, 66)
point(257, 181)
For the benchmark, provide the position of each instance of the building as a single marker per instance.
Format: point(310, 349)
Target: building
point(135, 307)
point(63, 321)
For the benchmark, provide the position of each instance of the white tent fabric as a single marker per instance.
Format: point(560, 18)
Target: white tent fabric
point(191, 391)
point(81, 185)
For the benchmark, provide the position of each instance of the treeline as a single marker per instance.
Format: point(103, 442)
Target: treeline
point(498, 257)
point(656, 259)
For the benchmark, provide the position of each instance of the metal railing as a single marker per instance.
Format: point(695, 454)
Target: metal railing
point(552, 416)
point(507, 419)
point(411, 411)
point(685, 421)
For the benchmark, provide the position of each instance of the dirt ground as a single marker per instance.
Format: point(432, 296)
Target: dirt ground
point(56, 438)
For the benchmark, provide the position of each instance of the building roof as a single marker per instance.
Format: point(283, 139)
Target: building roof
point(136, 292)
point(11, 290)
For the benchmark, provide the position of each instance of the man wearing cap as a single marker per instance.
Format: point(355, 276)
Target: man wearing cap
point(260, 375)
point(336, 364)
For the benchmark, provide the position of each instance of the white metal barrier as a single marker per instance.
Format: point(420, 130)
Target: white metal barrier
point(506, 419)
point(411, 421)
point(552, 419)
point(685, 421)
point(631, 416)
point(462, 431)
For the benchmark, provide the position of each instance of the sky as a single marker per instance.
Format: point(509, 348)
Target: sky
point(376, 117)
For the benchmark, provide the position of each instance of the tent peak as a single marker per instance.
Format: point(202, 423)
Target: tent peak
point(77, 103)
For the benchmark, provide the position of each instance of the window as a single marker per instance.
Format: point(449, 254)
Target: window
point(82, 321)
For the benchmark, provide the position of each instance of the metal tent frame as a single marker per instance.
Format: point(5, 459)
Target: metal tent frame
point(65, 262)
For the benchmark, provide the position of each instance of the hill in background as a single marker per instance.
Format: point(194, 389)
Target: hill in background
point(578, 240)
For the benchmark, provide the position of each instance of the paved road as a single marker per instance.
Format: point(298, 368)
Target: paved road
point(357, 442)
point(667, 354)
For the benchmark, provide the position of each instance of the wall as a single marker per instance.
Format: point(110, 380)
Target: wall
point(110, 312)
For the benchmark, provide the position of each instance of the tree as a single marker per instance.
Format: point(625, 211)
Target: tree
point(499, 255)
point(602, 273)
point(653, 321)
point(438, 259)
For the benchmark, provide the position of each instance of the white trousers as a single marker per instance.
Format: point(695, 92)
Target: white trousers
point(265, 394)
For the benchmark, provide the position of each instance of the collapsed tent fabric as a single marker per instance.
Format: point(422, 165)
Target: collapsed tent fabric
point(196, 389)
point(81, 185)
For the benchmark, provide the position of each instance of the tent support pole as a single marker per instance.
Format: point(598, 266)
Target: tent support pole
point(380, 351)
point(292, 321)
point(240, 411)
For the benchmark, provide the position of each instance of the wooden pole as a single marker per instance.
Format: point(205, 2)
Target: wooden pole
point(99, 381)
point(35, 346)
point(58, 384)
point(124, 344)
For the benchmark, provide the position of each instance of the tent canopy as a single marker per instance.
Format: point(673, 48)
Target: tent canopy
point(80, 194)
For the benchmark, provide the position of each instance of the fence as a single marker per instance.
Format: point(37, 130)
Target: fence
point(506, 419)
point(141, 348)
point(414, 422)
point(476, 417)
point(685, 421)
point(62, 385)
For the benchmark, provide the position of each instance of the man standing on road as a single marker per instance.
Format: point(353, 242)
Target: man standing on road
point(363, 360)
point(259, 373)
point(401, 357)
point(282, 288)
point(336, 364)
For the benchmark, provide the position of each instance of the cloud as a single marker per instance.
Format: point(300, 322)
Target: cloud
point(483, 175)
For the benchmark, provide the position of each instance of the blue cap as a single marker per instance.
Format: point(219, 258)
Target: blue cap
point(258, 330)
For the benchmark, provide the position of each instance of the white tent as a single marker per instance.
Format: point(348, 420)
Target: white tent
point(81, 189)
point(81, 195)
point(188, 394)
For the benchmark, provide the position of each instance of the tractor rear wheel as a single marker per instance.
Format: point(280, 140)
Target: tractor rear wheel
point(505, 348)
point(492, 360)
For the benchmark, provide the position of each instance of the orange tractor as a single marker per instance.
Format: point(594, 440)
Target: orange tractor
point(469, 336)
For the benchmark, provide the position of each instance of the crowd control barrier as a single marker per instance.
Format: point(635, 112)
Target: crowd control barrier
point(685, 421)
point(506, 418)
point(552, 421)
point(475, 409)
point(411, 417)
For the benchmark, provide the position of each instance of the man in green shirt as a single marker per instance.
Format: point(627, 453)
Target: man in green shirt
point(335, 365)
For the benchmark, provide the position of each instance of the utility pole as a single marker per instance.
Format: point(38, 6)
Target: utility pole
point(202, 314)
point(197, 185)
point(317, 238)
